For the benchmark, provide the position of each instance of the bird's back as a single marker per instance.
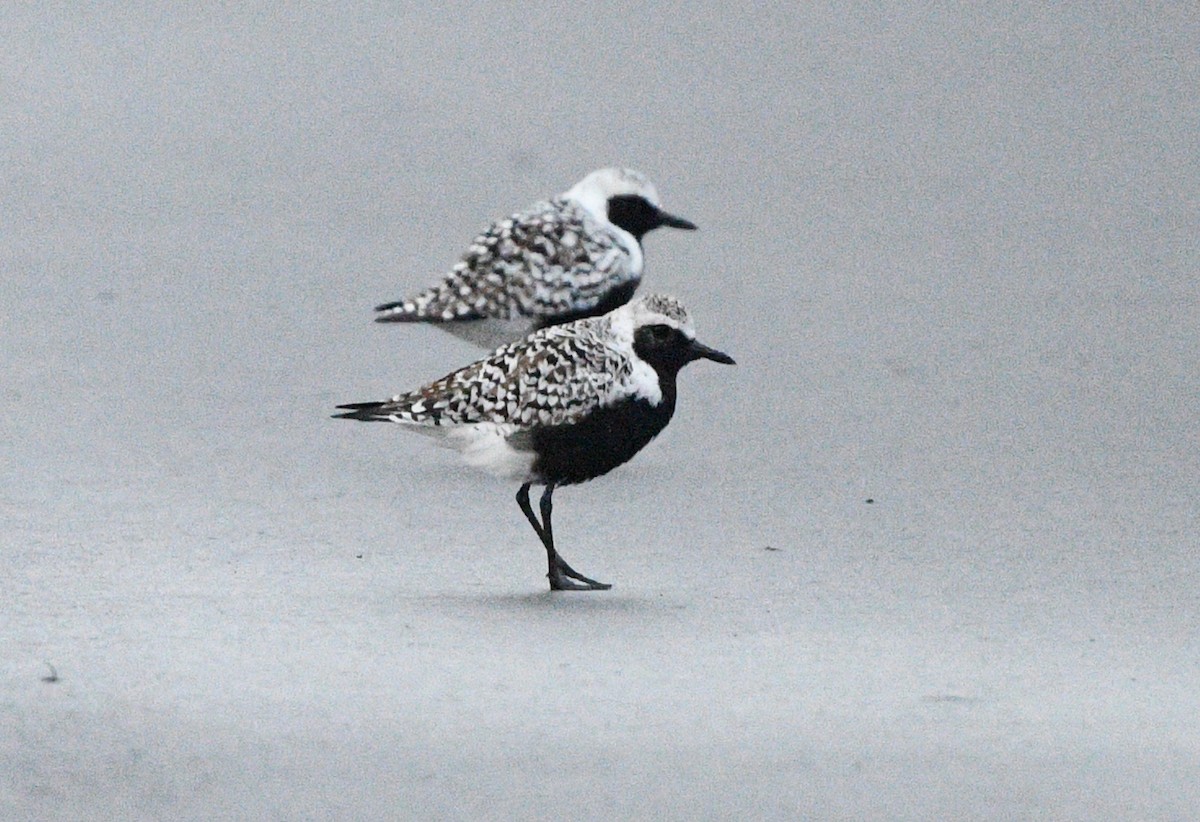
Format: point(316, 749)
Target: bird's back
point(551, 263)
point(552, 377)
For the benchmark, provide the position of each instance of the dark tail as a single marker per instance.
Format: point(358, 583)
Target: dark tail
point(363, 412)
point(402, 311)
point(406, 312)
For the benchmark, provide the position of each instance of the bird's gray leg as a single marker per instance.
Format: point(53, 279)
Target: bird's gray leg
point(557, 583)
point(527, 510)
point(557, 565)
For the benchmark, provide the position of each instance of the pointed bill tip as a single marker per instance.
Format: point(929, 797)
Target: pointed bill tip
point(702, 351)
point(671, 221)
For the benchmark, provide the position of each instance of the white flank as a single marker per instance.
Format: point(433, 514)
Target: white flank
point(485, 446)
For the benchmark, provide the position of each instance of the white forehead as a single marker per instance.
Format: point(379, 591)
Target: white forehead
point(594, 190)
point(653, 309)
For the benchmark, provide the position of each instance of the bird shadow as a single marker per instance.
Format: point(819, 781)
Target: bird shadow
point(546, 602)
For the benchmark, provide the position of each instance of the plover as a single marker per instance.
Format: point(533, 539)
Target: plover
point(562, 406)
point(576, 255)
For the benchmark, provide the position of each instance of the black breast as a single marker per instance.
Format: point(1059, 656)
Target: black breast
point(613, 298)
point(598, 443)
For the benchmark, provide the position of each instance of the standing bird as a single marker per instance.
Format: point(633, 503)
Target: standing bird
point(577, 255)
point(562, 406)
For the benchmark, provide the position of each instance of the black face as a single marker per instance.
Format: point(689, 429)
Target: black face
point(637, 215)
point(667, 349)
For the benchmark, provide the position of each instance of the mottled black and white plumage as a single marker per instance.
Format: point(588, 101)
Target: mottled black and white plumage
point(564, 405)
point(576, 255)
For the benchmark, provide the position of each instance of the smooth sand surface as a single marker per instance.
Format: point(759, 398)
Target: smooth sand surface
point(929, 551)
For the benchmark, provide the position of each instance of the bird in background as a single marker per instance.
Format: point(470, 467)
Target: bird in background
point(566, 404)
point(576, 255)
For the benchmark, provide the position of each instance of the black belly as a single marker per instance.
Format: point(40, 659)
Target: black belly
point(614, 298)
point(598, 443)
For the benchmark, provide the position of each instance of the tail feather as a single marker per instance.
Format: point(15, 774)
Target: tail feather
point(401, 311)
point(363, 412)
point(442, 303)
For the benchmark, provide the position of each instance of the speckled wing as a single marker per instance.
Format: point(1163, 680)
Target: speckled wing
point(550, 260)
point(553, 377)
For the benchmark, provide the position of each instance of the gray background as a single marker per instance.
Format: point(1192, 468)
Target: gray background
point(954, 253)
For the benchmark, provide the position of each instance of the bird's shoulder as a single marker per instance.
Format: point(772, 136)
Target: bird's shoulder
point(556, 232)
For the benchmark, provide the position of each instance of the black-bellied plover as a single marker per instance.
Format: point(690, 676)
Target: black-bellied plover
point(562, 406)
point(576, 255)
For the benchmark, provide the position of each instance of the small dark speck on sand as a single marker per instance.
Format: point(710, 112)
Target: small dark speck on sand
point(870, 501)
point(52, 676)
point(770, 548)
point(358, 556)
point(953, 699)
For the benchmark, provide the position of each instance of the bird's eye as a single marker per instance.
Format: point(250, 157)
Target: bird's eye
point(661, 333)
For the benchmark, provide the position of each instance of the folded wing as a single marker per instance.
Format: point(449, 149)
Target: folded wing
point(550, 260)
point(554, 377)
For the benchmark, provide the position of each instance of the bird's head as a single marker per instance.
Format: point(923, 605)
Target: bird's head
point(626, 199)
point(663, 334)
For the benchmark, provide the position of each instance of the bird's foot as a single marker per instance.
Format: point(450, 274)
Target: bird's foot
point(561, 583)
point(565, 578)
